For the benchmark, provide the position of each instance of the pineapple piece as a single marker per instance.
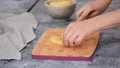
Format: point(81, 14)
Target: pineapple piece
point(56, 40)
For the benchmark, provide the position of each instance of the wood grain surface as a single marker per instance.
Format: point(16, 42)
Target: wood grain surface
point(44, 47)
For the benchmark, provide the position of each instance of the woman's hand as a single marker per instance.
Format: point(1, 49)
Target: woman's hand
point(76, 31)
point(92, 9)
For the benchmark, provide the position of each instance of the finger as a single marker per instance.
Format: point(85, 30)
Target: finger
point(84, 14)
point(79, 13)
point(72, 38)
point(66, 38)
point(92, 14)
point(67, 29)
point(78, 40)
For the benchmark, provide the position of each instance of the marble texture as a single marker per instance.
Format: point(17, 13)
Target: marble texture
point(106, 56)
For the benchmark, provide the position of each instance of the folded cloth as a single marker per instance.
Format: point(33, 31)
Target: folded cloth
point(8, 37)
point(15, 32)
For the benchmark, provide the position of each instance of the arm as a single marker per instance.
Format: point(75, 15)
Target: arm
point(108, 20)
point(76, 31)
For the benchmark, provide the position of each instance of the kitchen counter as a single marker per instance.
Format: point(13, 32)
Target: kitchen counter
point(107, 54)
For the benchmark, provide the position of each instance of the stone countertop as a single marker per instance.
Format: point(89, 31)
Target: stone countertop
point(15, 6)
point(107, 54)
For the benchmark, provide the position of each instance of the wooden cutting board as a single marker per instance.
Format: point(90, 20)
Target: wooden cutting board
point(45, 49)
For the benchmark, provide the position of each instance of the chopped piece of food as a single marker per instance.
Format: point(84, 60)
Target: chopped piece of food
point(56, 40)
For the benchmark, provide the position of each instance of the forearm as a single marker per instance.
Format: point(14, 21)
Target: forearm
point(102, 2)
point(107, 1)
point(105, 21)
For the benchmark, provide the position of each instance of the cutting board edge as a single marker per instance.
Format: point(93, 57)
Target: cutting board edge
point(42, 57)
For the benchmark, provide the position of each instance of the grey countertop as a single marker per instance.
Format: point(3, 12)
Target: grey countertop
point(107, 54)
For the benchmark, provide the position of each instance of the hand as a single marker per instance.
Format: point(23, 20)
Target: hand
point(92, 9)
point(75, 32)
